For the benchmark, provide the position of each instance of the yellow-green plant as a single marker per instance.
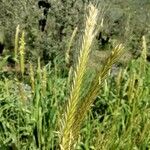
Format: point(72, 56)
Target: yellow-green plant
point(68, 54)
point(67, 58)
point(39, 71)
point(16, 41)
point(44, 81)
point(32, 81)
point(143, 56)
point(22, 53)
point(93, 92)
point(77, 108)
point(67, 136)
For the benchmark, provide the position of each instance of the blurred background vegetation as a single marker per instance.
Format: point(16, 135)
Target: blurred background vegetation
point(126, 20)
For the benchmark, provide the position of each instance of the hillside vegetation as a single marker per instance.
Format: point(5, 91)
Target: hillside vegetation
point(74, 75)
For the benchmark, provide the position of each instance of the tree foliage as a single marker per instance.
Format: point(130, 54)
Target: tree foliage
point(122, 19)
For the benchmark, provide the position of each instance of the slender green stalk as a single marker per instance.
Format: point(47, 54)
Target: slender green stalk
point(44, 81)
point(32, 81)
point(22, 53)
point(16, 42)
